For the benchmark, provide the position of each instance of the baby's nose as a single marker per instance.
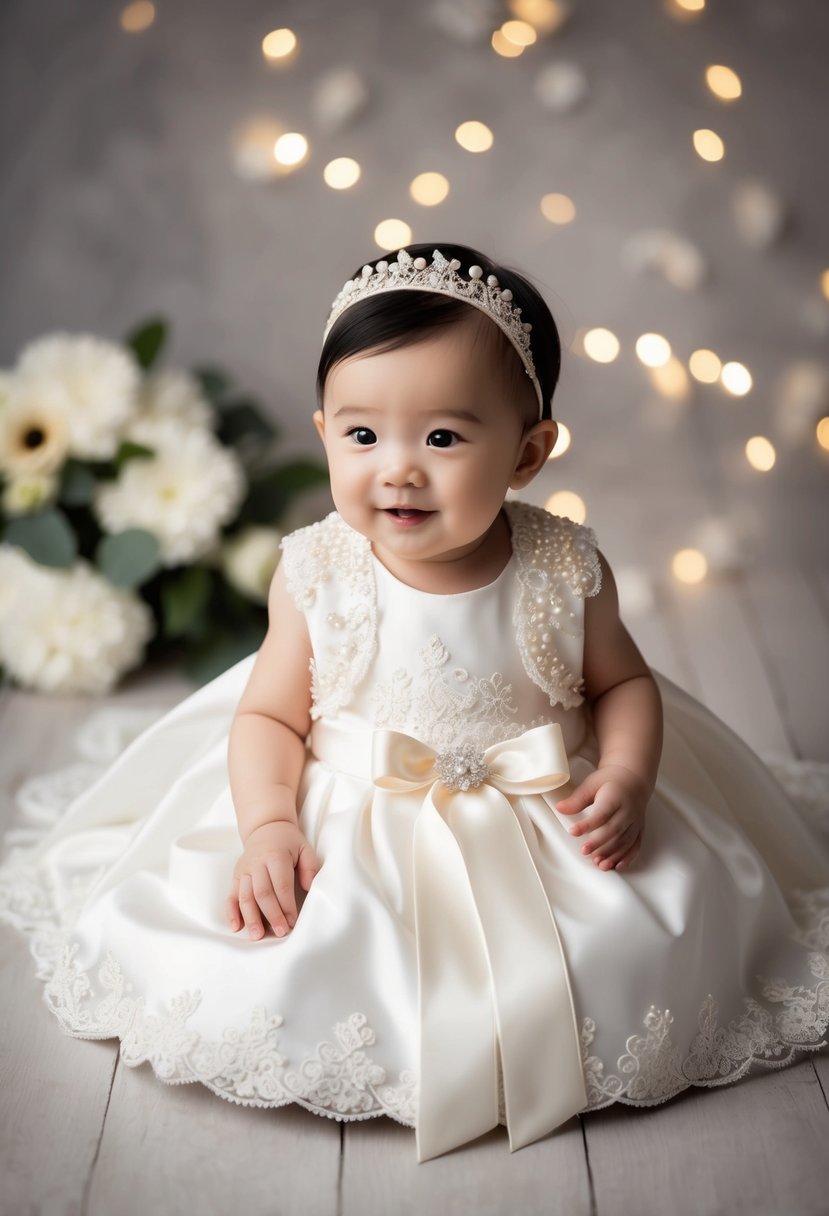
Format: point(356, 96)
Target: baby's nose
point(404, 472)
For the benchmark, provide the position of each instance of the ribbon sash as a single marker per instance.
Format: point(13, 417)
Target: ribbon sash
point(492, 978)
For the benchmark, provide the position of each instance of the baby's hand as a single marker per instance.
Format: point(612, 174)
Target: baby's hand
point(263, 878)
point(619, 801)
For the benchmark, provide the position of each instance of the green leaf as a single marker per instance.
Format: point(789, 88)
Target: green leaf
point(146, 341)
point(132, 451)
point(214, 382)
point(77, 484)
point(128, 558)
point(46, 536)
point(244, 418)
point(217, 653)
point(184, 598)
point(269, 494)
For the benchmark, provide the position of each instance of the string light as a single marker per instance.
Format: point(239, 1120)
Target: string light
point(474, 136)
point(392, 234)
point(689, 566)
point(429, 189)
point(708, 144)
point(520, 33)
point(653, 350)
point(342, 173)
point(137, 17)
point(562, 443)
point(736, 378)
point(558, 208)
point(760, 453)
point(291, 149)
point(502, 46)
point(279, 44)
point(601, 345)
point(723, 82)
point(705, 366)
point(566, 502)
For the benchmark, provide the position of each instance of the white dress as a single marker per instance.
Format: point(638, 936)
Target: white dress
point(457, 962)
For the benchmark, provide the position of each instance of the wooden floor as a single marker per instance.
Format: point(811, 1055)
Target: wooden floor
point(85, 1134)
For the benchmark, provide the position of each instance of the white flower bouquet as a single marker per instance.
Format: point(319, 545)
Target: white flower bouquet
point(139, 513)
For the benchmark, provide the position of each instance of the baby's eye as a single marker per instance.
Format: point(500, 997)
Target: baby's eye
point(362, 435)
point(442, 439)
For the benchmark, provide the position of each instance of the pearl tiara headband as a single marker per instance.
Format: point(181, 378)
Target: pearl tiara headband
point(439, 275)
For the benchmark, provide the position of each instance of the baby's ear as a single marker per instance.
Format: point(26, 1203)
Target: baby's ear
point(319, 423)
point(537, 445)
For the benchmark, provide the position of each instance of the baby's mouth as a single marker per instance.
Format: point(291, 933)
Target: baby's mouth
point(407, 512)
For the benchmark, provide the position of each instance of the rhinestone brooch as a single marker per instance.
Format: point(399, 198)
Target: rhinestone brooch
point(462, 768)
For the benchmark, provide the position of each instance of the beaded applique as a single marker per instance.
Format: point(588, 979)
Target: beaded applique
point(557, 559)
point(311, 554)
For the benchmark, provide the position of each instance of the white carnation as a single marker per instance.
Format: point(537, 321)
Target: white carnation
point(249, 560)
point(183, 494)
point(170, 395)
point(99, 381)
point(67, 630)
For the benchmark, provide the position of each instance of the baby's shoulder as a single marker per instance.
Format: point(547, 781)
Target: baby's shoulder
point(320, 553)
point(550, 546)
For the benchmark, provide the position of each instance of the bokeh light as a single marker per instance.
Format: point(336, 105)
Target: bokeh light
point(342, 173)
point(824, 283)
point(653, 350)
point(429, 189)
point(502, 46)
point(822, 432)
point(519, 33)
point(670, 379)
point(723, 82)
point(601, 345)
point(546, 16)
point(392, 234)
point(567, 502)
point(558, 208)
point(562, 443)
point(137, 17)
point(736, 378)
point(474, 136)
point(290, 149)
point(279, 44)
point(705, 366)
point(689, 566)
point(708, 144)
point(760, 453)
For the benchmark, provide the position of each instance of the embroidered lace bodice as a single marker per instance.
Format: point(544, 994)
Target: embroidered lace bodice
point(478, 666)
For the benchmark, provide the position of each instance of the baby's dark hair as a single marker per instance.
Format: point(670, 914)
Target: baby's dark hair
point(400, 318)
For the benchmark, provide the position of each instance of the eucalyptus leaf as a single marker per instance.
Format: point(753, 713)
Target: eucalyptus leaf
point(270, 494)
point(184, 598)
point(219, 652)
point(241, 418)
point(128, 558)
point(77, 484)
point(45, 535)
point(132, 451)
point(214, 382)
point(147, 340)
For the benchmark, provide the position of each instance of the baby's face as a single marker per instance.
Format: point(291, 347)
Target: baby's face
point(421, 445)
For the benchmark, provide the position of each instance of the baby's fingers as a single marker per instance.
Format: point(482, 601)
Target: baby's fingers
point(249, 907)
point(623, 856)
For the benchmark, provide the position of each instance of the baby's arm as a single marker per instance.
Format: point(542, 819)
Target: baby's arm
point(266, 756)
point(627, 714)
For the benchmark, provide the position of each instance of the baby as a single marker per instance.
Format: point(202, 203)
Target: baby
point(429, 414)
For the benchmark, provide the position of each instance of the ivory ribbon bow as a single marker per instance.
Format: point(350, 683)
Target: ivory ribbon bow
point(491, 970)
